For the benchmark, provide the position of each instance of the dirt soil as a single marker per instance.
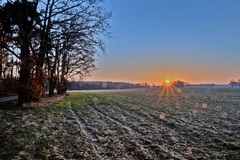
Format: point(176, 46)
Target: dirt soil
point(170, 123)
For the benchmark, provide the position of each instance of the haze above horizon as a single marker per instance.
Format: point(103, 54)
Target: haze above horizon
point(193, 41)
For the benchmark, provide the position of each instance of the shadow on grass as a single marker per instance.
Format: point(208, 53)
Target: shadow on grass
point(13, 106)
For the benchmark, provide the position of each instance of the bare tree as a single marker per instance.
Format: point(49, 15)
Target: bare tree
point(73, 29)
point(63, 37)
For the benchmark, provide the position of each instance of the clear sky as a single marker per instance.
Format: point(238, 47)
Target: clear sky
point(197, 41)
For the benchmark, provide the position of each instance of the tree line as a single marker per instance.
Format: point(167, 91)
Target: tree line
point(104, 85)
point(177, 83)
point(49, 40)
point(234, 83)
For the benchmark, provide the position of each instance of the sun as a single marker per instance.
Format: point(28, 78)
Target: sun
point(167, 81)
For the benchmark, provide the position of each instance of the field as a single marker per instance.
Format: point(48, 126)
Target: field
point(187, 123)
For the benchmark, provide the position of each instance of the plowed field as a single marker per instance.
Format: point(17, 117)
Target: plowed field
point(187, 123)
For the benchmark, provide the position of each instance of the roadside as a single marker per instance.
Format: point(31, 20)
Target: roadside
point(8, 99)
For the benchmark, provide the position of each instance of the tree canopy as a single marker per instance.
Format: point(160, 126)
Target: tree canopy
point(50, 41)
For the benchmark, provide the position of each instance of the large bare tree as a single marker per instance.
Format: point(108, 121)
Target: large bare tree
point(72, 29)
point(53, 39)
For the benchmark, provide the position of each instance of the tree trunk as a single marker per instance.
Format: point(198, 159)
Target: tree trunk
point(52, 85)
point(62, 86)
point(1, 51)
point(1, 65)
point(41, 78)
point(24, 81)
point(25, 74)
point(44, 48)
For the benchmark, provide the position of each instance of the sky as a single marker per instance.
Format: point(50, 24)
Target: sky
point(197, 41)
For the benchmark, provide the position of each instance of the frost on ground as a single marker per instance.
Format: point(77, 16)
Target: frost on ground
point(187, 123)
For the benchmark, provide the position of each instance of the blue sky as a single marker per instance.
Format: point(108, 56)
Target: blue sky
point(197, 41)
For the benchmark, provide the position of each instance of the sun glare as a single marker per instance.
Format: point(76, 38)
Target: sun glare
point(167, 81)
point(169, 92)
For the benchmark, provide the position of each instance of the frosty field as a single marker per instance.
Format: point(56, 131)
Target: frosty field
point(186, 123)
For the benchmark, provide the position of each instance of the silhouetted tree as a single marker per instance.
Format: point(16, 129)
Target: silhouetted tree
point(59, 42)
point(238, 82)
point(179, 83)
point(72, 33)
point(233, 83)
point(19, 20)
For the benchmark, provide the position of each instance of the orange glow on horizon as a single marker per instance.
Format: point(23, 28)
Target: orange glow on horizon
point(167, 81)
point(158, 77)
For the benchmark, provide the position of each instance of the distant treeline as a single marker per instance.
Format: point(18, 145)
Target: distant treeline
point(104, 85)
point(235, 83)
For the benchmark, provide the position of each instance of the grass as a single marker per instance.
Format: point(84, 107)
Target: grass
point(23, 132)
point(28, 131)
